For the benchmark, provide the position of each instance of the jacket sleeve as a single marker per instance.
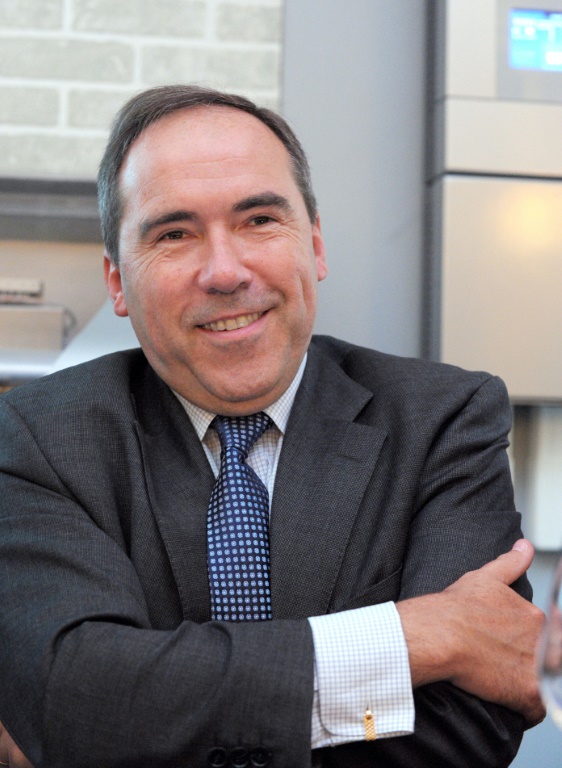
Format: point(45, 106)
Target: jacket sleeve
point(84, 678)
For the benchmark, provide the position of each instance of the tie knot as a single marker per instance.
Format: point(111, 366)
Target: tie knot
point(241, 431)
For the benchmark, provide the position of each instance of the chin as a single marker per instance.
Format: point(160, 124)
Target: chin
point(241, 394)
point(245, 390)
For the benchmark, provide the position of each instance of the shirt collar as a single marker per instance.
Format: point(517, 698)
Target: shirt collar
point(278, 411)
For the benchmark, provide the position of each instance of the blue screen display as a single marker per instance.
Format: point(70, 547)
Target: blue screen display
point(535, 40)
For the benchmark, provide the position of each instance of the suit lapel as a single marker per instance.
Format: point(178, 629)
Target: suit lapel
point(326, 463)
point(179, 483)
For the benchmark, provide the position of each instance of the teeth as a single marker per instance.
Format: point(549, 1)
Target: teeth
point(232, 323)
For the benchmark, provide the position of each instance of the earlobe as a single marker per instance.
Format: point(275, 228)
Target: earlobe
point(319, 250)
point(112, 277)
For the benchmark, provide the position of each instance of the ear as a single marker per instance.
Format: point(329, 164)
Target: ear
point(112, 277)
point(319, 250)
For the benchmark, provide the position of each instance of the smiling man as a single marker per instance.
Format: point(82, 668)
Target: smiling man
point(215, 229)
point(242, 545)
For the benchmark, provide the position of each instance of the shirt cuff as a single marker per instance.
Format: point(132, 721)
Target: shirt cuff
point(361, 664)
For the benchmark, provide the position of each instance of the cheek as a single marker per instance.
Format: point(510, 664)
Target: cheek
point(307, 278)
point(155, 288)
point(290, 268)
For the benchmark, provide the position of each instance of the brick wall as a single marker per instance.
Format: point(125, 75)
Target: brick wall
point(67, 65)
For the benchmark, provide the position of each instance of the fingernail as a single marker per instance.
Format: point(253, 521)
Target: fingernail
point(520, 546)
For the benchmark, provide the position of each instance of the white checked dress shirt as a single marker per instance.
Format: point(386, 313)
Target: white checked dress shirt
point(360, 656)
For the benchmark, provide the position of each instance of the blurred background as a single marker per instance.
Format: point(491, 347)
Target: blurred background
point(433, 130)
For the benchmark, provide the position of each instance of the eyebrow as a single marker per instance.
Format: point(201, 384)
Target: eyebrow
point(263, 200)
point(166, 218)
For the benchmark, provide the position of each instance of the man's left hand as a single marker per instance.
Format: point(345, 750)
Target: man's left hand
point(10, 753)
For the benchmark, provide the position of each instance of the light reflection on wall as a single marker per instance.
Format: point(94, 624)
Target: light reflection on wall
point(528, 224)
point(501, 307)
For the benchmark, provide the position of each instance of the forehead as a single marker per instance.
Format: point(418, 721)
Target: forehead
point(205, 143)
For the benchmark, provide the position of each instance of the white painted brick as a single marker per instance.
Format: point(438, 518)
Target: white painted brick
point(248, 23)
point(40, 156)
point(244, 69)
point(141, 17)
point(233, 69)
point(28, 106)
point(95, 109)
point(91, 72)
point(65, 59)
point(254, 3)
point(270, 99)
point(31, 14)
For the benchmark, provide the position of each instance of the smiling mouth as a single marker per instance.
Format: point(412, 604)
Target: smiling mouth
point(233, 323)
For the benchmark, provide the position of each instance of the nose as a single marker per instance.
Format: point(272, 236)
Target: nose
point(223, 269)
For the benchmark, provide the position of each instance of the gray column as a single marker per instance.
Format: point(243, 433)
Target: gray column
point(354, 90)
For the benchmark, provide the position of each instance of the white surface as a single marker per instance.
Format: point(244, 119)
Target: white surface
point(544, 505)
point(31, 326)
point(501, 308)
point(19, 365)
point(471, 48)
point(103, 334)
point(27, 286)
point(71, 273)
point(519, 138)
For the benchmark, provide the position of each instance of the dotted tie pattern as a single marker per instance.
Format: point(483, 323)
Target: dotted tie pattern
point(238, 526)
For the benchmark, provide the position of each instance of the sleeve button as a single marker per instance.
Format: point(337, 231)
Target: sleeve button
point(260, 757)
point(216, 758)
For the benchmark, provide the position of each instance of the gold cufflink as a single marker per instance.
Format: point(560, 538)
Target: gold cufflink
point(369, 723)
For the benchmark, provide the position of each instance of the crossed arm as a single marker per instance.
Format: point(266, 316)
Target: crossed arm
point(487, 632)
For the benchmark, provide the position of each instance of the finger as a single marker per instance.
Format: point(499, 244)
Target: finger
point(18, 759)
point(10, 754)
point(508, 567)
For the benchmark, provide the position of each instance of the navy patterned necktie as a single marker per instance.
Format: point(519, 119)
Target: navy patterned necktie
point(238, 526)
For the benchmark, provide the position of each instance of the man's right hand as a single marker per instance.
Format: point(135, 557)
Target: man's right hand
point(480, 635)
point(10, 753)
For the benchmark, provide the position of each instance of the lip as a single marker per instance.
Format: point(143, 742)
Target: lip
point(232, 324)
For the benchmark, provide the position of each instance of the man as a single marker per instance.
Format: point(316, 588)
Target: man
point(387, 481)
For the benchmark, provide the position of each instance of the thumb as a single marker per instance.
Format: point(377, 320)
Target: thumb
point(509, 567)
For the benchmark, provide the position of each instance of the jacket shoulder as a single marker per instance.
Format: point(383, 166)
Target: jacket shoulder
point(405, 380)
point(356, 360)
point(106, 379)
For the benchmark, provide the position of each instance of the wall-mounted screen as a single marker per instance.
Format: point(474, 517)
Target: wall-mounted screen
point(535, 40)
point(529, 50)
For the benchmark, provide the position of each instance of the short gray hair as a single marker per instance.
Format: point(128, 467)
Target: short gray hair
point(149, 106)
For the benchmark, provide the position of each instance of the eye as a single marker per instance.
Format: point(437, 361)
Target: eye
point(260, 220)
point(175, 235)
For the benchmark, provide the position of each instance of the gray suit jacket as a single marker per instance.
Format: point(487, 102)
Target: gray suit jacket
point(393, 481)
